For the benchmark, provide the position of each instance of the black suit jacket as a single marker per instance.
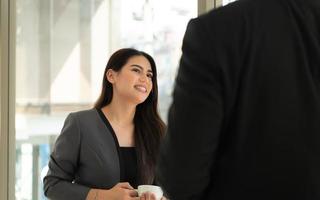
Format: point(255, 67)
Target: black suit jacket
point(245, 119)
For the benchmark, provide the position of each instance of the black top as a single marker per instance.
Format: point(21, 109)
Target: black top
point(129, 161)
point(245, 117)
point(127, 157)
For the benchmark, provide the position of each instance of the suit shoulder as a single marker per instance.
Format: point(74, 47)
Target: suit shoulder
point(240, 19)
point(237, 10)
point(84, 114)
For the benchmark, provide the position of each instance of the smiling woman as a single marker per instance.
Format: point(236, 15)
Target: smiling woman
point(109, 150)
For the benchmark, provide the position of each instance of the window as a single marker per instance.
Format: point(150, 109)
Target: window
point(225, 2)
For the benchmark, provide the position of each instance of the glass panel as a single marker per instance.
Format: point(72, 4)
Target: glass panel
point(62, 47)
point(157, 27)
point(225, 2)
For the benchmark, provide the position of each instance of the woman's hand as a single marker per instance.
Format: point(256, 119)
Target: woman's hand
point(121, 191)
point(147, 196)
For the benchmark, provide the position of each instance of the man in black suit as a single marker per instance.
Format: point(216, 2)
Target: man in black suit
point(245, 119)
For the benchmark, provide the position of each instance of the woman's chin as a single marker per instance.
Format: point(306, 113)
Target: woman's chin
point(139, 100)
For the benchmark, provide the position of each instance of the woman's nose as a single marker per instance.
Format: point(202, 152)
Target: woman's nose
point(143, 78)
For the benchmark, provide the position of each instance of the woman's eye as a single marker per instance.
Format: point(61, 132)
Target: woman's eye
point(135, 70)
point(150, 75)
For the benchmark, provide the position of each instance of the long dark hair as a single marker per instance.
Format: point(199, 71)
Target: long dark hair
point(149, 128)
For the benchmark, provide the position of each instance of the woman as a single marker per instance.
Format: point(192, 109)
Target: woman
point(105, 152)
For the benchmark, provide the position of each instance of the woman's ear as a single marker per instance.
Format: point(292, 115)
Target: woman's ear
point(110, 75)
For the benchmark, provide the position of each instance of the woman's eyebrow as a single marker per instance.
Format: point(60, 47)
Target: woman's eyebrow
point(135, 65)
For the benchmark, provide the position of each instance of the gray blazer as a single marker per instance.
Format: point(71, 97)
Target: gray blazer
point(86, 155)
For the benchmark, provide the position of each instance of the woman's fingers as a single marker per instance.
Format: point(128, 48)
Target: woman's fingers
point(148, 196)
point(133, 193)
point(125, 185)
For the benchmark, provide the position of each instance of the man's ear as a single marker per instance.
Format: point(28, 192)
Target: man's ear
point(110, 75)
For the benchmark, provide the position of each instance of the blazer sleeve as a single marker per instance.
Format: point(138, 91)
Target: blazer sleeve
point(63, 164)
point(188, 151)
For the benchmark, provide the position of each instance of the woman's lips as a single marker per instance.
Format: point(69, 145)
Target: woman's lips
point(141, 88)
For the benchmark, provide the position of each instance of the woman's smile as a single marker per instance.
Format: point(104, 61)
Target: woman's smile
point(141, 88)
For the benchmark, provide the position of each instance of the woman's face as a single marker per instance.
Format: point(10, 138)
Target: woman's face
point(133, 82)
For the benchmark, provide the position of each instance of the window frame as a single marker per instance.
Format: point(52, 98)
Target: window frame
point(7, 99)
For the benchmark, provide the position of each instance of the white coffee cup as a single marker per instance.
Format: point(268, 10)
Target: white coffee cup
point(156, 190)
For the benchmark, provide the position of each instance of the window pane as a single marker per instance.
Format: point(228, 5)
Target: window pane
point(157, 27)
point(225, 2)
point(62, 47)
